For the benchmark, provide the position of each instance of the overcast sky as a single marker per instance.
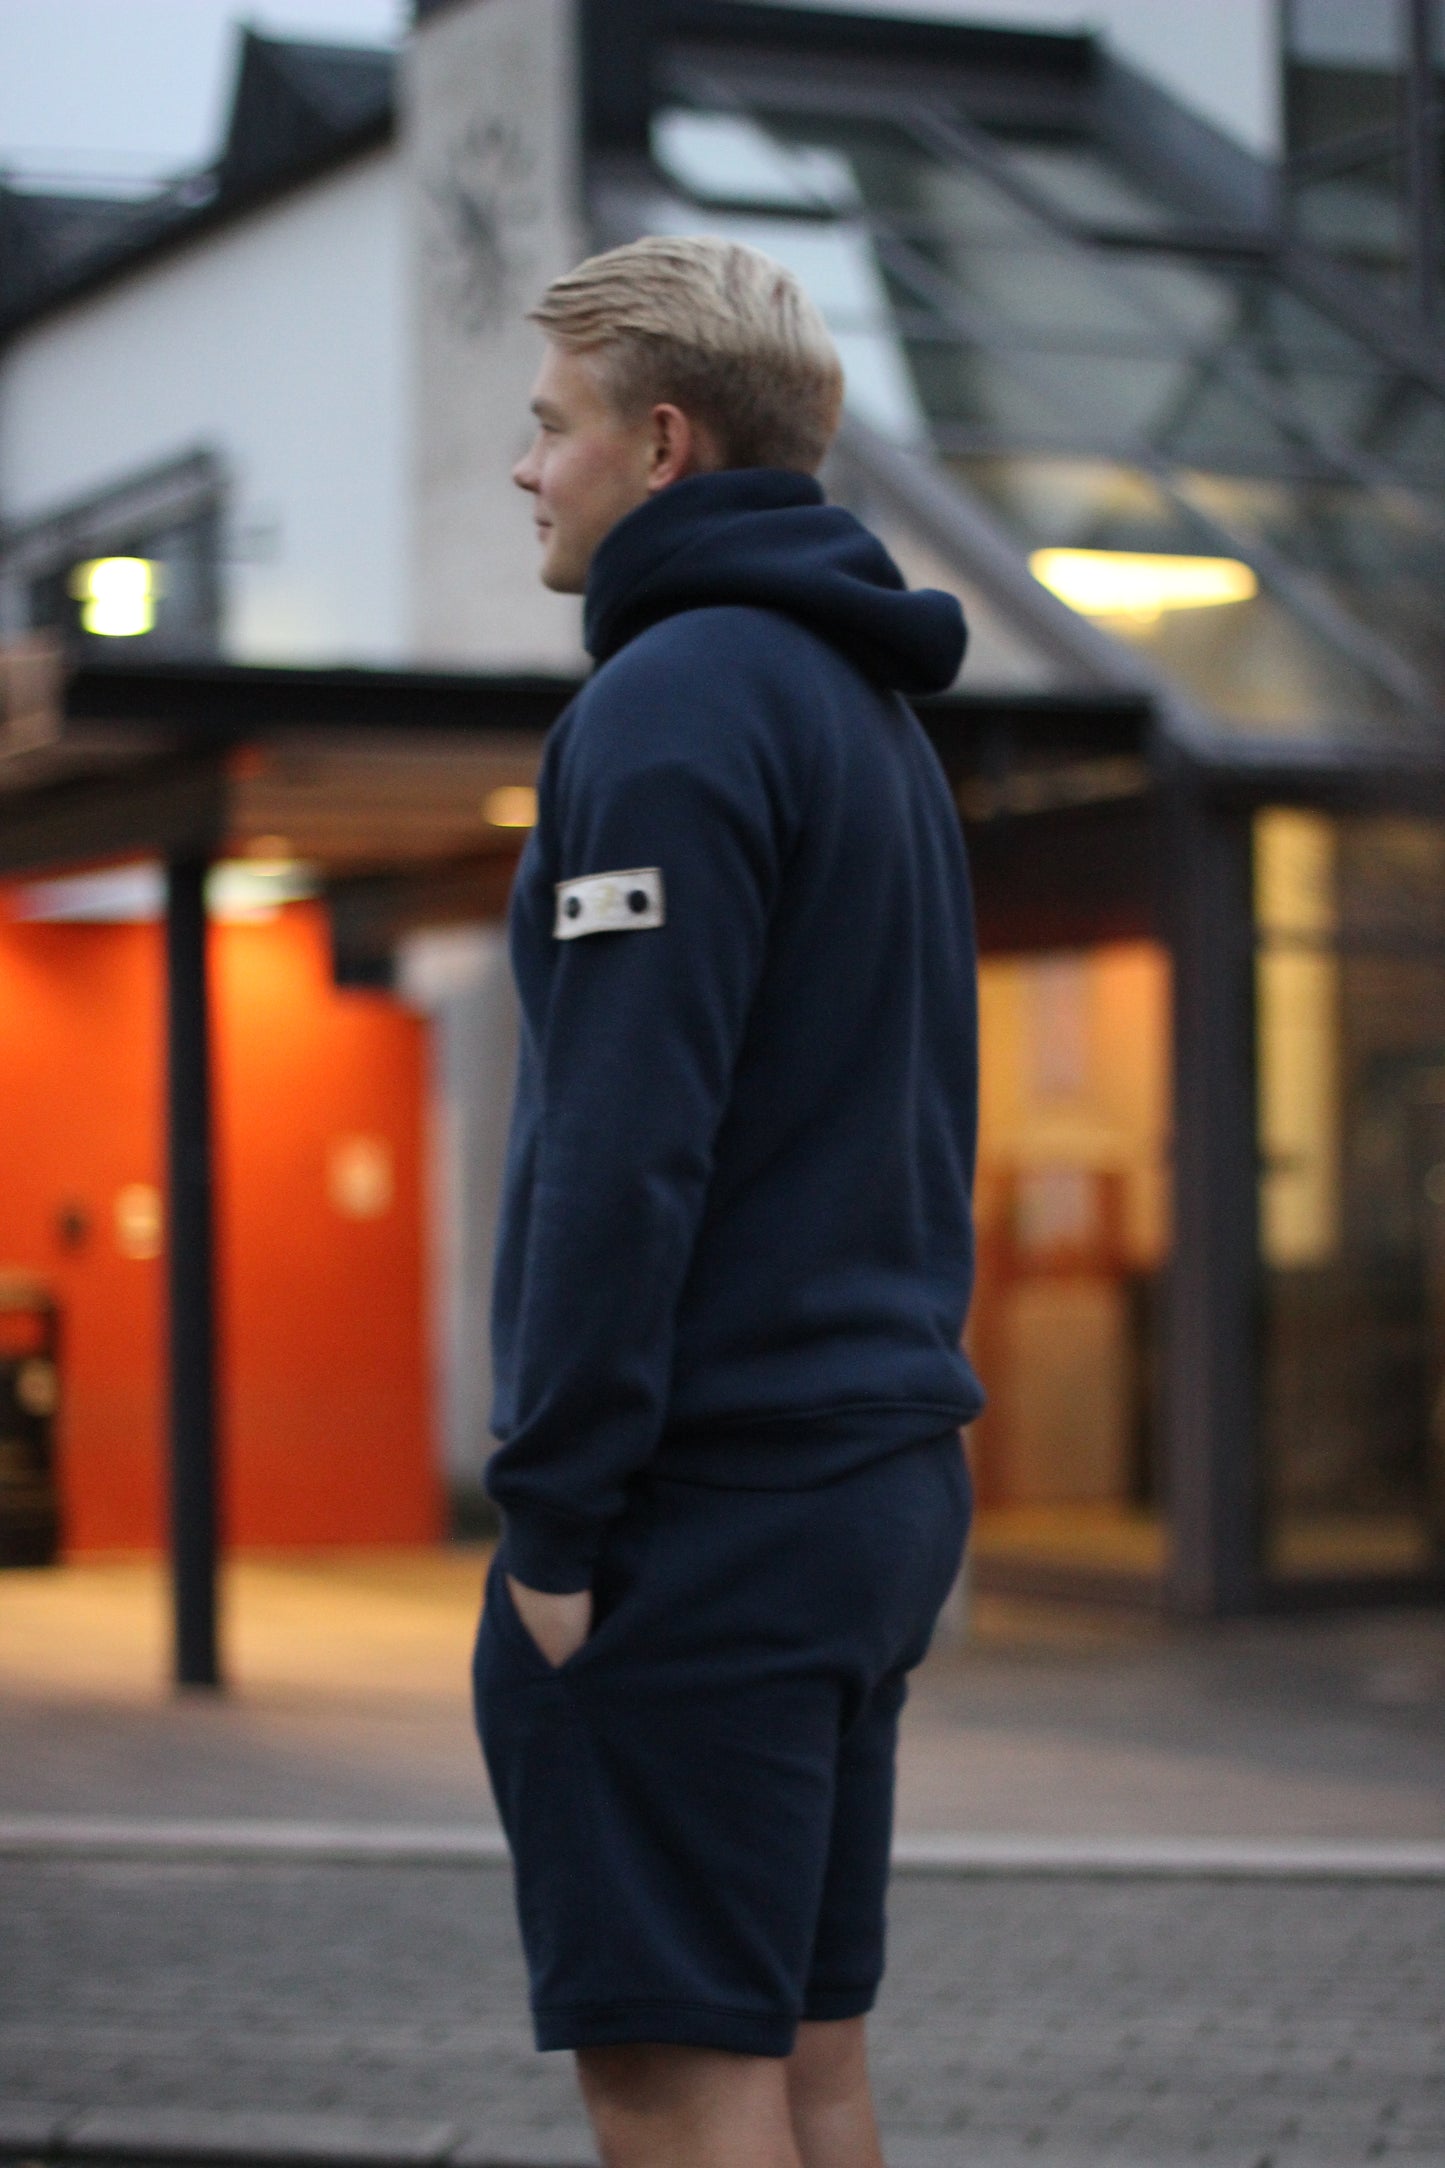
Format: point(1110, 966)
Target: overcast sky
point(137, 88)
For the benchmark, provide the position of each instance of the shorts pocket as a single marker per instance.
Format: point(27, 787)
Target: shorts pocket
point(615, 1590)
point(507, 1622)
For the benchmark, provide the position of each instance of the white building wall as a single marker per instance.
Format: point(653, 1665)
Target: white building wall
point(489, 118)
point(279, 341)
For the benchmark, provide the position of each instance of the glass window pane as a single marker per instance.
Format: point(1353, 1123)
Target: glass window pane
point(1351, 1024)
point(1073, 1220)
point(1315, 378)
point(1251, 663)
point(967, 390)
point(1346, 33)
point(724, 157)
point(896, 175)
point(1390, 889)
point(168, 601)
point(1373, 551)
point(1070, 294)
point(1080, 182)
point(1213, 421)
point(1328, 403)
point(1280, 326)
point(967, 319)
point(1409, 432)
point(1358, 214)
point(1034, 393)
point(1183, 293)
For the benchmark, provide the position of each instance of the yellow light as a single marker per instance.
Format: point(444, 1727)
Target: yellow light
point(513, 806)
point(1139, 584)
point(117, 595)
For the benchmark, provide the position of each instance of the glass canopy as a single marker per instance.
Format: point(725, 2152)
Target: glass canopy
point(1095, 376)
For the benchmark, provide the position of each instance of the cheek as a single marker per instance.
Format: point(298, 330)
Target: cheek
point(589, 477)
point(563, 476)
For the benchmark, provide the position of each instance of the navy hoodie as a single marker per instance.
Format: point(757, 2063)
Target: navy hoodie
point(736, 1240)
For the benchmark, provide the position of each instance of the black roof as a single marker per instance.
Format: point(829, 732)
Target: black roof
point(296, 110)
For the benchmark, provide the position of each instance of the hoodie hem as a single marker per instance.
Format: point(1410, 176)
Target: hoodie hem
point(805, 1450)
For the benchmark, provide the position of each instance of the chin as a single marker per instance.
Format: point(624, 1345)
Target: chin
point(562, 578)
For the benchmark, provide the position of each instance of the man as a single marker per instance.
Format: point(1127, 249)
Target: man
point(736, 1247)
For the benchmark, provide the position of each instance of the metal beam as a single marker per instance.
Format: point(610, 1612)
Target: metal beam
point(162, 808)
point(1211, 1389)
point(191, 1266)
point(1422, 159)
point(220, 704)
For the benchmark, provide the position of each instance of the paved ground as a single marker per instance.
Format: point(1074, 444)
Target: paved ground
point(350, 1704)
point(1070, 2020)
point(371, 2010)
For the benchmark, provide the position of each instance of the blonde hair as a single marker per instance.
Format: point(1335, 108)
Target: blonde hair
point(720, 330)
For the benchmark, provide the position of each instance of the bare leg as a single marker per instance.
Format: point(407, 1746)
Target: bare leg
point(682, 2107)
point(829, 2096)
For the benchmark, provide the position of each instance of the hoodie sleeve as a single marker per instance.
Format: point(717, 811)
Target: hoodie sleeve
point(630, 1076)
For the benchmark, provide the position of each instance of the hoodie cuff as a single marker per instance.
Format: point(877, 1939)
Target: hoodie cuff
point(553, 1552)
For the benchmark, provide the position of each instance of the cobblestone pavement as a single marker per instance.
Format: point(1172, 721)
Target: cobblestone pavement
point(1055, 2020)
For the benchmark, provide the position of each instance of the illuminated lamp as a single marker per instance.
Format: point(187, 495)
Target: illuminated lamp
point(1139, 584)
point(513, 806)
point(117, 595)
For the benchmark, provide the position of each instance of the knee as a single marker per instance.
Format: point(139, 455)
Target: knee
point(652, 2106)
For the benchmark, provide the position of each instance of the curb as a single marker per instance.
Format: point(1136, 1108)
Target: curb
point(187, 2138)
point(245, 2138)
point(1182, 1858)
point(402, 1845)
point(29, 1836)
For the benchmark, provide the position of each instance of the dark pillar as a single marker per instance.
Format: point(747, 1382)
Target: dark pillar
point(1422, 156)
point(1210, 1393)
point(190, 1247)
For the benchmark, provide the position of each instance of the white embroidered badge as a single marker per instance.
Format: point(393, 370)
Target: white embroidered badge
point(610, 903)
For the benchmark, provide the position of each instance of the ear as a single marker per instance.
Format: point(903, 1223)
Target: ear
point(680, 447)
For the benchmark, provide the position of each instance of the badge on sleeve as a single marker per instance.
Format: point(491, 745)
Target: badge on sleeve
point(610, 903)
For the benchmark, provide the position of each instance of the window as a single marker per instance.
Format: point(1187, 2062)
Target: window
point(1363, 137)
point(135, 569)
point(1350, 990)
point(1097, 373)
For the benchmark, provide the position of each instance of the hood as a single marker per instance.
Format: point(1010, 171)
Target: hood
point(763, 536)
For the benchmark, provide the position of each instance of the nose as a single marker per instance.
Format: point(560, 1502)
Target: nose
point(524, 474)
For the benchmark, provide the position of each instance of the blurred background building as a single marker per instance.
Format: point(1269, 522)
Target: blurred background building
point(1142, 333)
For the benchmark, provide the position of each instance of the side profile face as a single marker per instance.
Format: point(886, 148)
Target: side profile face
point(588, 465)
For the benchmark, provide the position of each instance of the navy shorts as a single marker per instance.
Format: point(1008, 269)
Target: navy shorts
point(699, 1802)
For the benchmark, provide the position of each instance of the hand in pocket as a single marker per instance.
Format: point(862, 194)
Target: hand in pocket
point(558, 1624)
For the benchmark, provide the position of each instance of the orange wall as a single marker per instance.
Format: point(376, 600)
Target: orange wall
point(326, 1430)
point(80, 1118)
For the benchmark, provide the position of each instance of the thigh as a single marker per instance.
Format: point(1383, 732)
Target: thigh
point(668, 1797)
point(699, 1801)
point(922, 1504)
point(847, 1958)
